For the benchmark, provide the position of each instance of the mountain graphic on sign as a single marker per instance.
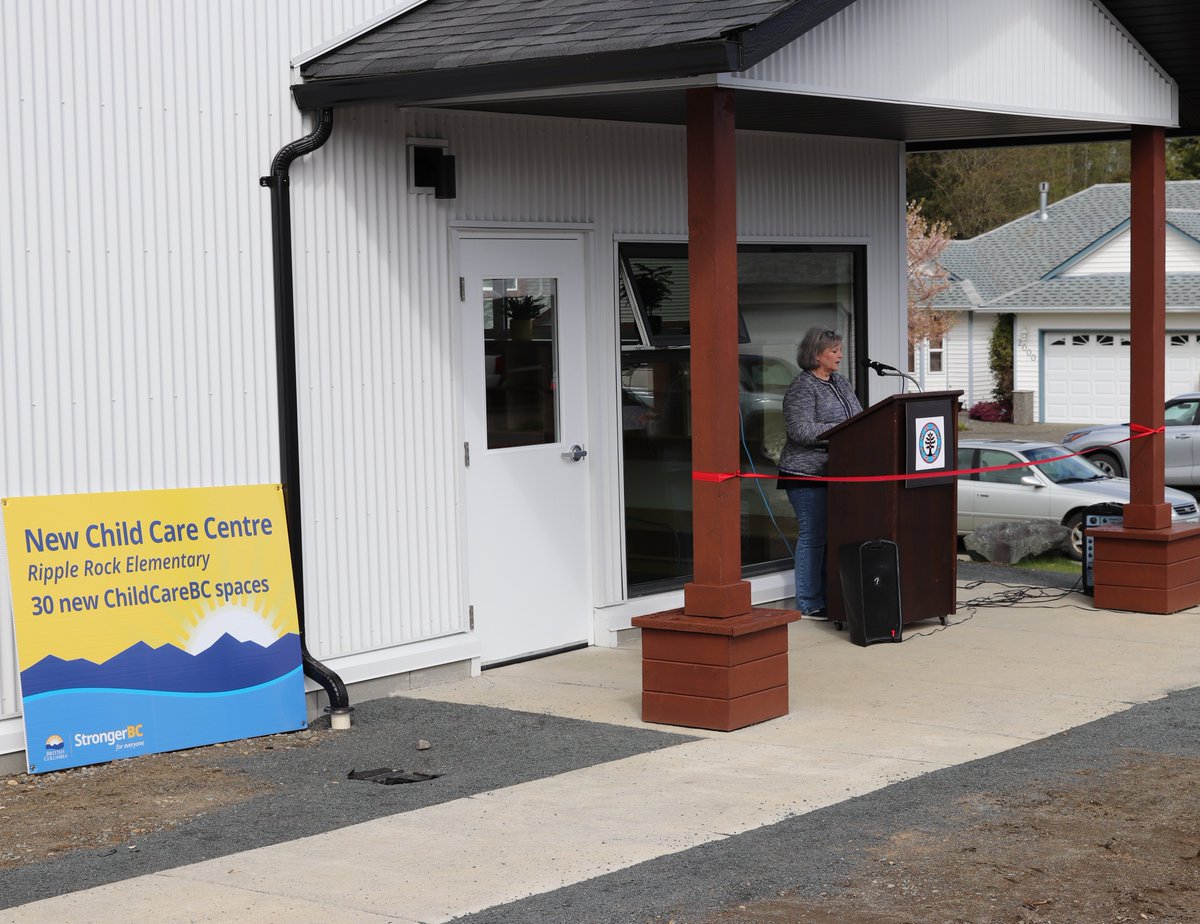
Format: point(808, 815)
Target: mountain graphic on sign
point(226, 665)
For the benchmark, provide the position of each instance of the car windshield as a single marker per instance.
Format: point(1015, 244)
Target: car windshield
point(1070, 470)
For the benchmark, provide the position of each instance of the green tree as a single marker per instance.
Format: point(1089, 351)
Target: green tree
point(1000, 357)
point(1183, 159)
point(979, 189)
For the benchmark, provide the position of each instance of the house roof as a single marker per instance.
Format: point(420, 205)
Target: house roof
point(1013, 266)
point(452, 49)
point(446, 48)
point(472, 33)
point(1110, 290)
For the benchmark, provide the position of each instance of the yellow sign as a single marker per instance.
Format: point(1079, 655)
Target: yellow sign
point(152, 620)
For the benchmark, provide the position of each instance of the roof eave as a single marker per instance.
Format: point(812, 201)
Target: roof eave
point(766, 38)
point(671, 61)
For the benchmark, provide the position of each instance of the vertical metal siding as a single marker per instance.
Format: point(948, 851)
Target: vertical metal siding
point(136, 318)
point(1038, 56)
point(629, 181)
point(375, 302)
point(137, 323)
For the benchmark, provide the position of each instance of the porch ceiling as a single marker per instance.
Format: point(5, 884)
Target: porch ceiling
point(532, 57)
point(920, 126)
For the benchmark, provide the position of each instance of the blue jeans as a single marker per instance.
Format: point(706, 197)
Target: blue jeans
point(811, 503)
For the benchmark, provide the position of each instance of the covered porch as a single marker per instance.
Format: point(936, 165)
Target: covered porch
point(822, 70)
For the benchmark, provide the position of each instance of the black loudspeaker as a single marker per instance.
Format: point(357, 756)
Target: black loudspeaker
point(870, 573)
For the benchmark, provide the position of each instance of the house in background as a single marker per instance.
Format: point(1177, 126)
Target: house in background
point(1063, 272)
point(490, 445)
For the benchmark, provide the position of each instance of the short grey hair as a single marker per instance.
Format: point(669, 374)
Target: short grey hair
point(815, 342)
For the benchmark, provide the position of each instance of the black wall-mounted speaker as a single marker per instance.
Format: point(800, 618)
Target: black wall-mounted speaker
point(870, 573)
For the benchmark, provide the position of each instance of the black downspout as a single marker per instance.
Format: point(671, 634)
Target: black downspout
point(285, 371)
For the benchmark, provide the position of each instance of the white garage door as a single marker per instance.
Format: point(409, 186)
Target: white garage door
point(1086, 375)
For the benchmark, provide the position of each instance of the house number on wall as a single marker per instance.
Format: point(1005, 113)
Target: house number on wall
point(1023, 344)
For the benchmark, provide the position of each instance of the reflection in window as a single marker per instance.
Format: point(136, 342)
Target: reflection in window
point(1180, 414)
point(781, 293)
point(520, 361)
point(990, 457)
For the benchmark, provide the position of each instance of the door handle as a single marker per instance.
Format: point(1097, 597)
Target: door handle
point(1183, 436)
point(576, 453)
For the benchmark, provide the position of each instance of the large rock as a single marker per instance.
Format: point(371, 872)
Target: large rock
point(1009, 542)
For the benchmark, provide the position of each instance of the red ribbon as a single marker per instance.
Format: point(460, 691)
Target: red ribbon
point(1138, 431)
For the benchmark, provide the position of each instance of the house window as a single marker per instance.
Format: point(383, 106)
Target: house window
point(935, 355)
point(934, 348)
point(782, 291)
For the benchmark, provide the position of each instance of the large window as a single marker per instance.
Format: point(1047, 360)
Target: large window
point(782, 291)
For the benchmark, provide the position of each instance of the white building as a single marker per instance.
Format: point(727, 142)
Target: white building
point(138, 343)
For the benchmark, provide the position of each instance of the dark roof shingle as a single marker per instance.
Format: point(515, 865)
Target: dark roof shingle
point(443, 34)
point(1008, 265)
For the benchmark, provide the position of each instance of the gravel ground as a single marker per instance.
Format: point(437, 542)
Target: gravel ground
point(96, 825)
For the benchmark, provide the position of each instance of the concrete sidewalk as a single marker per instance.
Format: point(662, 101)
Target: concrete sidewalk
point(1003, 674)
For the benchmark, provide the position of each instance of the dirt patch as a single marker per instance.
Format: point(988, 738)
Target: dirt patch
point(44, 816)
point(1120, 845)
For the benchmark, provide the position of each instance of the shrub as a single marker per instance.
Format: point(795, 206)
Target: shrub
point(996, 411)
point(1000, 359)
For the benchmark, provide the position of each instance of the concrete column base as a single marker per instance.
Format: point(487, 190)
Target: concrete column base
point(1146, 570)
point(720, 674)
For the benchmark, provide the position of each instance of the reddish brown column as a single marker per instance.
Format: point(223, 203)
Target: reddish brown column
point(1148, 326)
point(717, 589)
point(716, 663)
point(1146, 564)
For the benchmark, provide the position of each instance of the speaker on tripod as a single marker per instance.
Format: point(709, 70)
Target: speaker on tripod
point(870, 573)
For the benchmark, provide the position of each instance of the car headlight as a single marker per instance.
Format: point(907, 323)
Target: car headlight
point(1072, 437)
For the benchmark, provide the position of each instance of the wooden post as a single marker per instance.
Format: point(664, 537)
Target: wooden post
point(716, 663)
point(717, 589)
point(1146, 564)
point(1148, 326)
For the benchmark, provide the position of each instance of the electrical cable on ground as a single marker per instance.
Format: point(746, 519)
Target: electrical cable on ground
point(1013, 596)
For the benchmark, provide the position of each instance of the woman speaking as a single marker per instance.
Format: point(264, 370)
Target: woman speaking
point(818, 399)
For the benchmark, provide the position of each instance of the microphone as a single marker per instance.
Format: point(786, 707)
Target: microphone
point(878, 366)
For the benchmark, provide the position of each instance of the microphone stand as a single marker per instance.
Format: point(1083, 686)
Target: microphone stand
point(881, 369)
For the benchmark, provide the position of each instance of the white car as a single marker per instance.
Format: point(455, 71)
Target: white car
point(1057, 491)
point(1181, 448)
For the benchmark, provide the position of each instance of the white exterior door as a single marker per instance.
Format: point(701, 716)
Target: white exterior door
point(525, 424)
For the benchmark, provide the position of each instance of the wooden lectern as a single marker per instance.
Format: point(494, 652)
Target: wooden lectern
point(903, 434)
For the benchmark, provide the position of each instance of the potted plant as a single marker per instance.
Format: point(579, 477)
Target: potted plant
point(522, 311)
point(654, 286)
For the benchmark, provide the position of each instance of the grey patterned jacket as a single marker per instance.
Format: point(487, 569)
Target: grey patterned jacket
point(810, 407)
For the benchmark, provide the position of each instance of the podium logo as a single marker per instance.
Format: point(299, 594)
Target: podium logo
point(929, 443)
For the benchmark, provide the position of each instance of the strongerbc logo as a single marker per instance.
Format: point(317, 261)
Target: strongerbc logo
point(120, 738)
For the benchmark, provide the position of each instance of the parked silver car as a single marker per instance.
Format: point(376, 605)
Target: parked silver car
point(1057, 491)
point(1182, 447)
